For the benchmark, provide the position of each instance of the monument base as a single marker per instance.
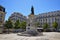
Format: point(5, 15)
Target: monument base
point(31, 32)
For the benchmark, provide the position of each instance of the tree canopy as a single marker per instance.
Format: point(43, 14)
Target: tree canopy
point(45, 26)
point(17, 24)
point(8, 24)
point(55, 24)
point(23, 25)
point(37, 24)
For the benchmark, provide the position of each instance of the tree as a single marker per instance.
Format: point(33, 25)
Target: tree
point(37, 24)
point(17, 24)
point(8, 24)
point(23, 25)
point(55, 25)
point(45, 26)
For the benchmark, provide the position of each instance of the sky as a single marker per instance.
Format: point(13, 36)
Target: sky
point(24, 6)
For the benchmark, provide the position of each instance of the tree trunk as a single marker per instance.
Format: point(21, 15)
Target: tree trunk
point(56, 29)
point(8, 30)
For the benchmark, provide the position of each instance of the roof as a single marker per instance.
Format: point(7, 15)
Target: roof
point(1, 6)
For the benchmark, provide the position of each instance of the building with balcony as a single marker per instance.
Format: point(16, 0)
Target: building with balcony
point(49, 18)
point(2, 17)
point(17, 16)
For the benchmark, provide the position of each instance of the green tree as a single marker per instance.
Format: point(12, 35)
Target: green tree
point(55, 25)
point(23, 25)
point(37, 24)
point(45, 26)
point(8, 24)
point(17, 24)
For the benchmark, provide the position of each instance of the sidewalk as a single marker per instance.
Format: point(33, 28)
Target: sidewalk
point(46, 36)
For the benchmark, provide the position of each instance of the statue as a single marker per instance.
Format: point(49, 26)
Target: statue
point(31, 27)
point(30, 20)
point(32, 10)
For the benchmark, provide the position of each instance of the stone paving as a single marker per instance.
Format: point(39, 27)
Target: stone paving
point(46, 36)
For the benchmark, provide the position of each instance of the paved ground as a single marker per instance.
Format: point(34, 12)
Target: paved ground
point(46, 36)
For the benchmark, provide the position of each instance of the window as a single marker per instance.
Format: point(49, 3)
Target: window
point(1, 15)
point(0, 19)
point(28, 24)
point(0, 9)
point(41, 20)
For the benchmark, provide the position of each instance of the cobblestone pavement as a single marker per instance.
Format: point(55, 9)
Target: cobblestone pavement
point(46, 36)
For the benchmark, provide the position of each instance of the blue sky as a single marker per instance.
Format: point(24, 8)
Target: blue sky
point(24, 6)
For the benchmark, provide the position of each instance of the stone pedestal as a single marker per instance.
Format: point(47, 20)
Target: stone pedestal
point(31, 23)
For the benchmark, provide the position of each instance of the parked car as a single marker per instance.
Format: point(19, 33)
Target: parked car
point(40, 29)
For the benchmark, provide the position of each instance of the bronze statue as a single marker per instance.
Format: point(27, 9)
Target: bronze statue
point(32, 10)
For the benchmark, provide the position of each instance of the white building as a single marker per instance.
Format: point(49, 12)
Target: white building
point(17, 16)
point(2, 18)
point(49, 18)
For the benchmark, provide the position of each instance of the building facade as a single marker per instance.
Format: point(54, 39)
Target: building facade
point(42, 18)
point(2, 17)
point(17, 16)
point(49, 18)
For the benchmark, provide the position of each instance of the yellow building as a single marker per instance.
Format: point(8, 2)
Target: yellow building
point(2, 18)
